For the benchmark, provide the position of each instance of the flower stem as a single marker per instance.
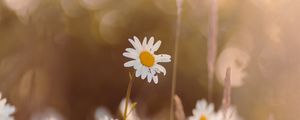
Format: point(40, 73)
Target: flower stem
point(212, 46)
point(128, 92)
point(227, 91)
point(174, 71)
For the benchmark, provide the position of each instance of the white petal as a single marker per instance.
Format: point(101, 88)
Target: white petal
point(201, 104)
point(3, 101)
point(195, 112)
point(130, 63)
point(151, 74)
point(137, 65)
point(145, 72)
point(156, 46)
point(155, 79)
point(129, 55)
point(133, 43)
point(144, 75)
point(138, 72)
point(152, 70)
point(149, 77)
point(144, 44)
point(138, 43)
point(160, 68)
point(210, 108)
point(9, 109)
point(192, 118)
point(151, 42)
point(131, 50)
point(163, 58)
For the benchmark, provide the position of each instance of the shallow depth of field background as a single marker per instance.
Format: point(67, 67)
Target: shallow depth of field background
point(66, 55)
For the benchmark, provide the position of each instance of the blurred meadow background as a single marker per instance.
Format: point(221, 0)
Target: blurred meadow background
point(65, 56)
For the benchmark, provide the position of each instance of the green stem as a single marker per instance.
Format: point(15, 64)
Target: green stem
point(128, 95)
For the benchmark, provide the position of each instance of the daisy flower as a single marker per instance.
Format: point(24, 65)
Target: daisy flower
point(145, 62)
point(6, 110)
point(204, 111)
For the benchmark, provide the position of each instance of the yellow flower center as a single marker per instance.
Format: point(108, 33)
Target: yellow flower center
point(147, 59)
point(203, 117)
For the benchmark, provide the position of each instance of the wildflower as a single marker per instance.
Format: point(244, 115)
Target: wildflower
point(6, 110)
point(204, 111)
point(145, 62)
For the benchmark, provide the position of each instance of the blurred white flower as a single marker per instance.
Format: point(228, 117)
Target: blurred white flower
point(102, 113)
point(48, 114)
point(6, 110)
point(204, 111)
point(112, 25)
point(94, 4)
point(72, 8)
point(131, 113)
point(237, 60)
point(23, 8)
point(145, 62)
point(229, 114)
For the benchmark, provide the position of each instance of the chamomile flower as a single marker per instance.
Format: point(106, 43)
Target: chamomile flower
point(6, 110)
point(145, 62)
point(204, 111)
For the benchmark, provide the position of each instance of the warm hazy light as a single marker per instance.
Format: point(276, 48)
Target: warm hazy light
point(237, 60)
point(94, 4)
point(49, 114)
point(68, 55)
point(111, 26)
point(71, 8)
point(166, 6)
point(23, 8)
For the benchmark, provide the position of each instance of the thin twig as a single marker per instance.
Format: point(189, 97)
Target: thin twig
point(212, 46)
point(174, 71)
point(128, 95)
point(227, 91)
point(179, 112)
point(132, 107)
